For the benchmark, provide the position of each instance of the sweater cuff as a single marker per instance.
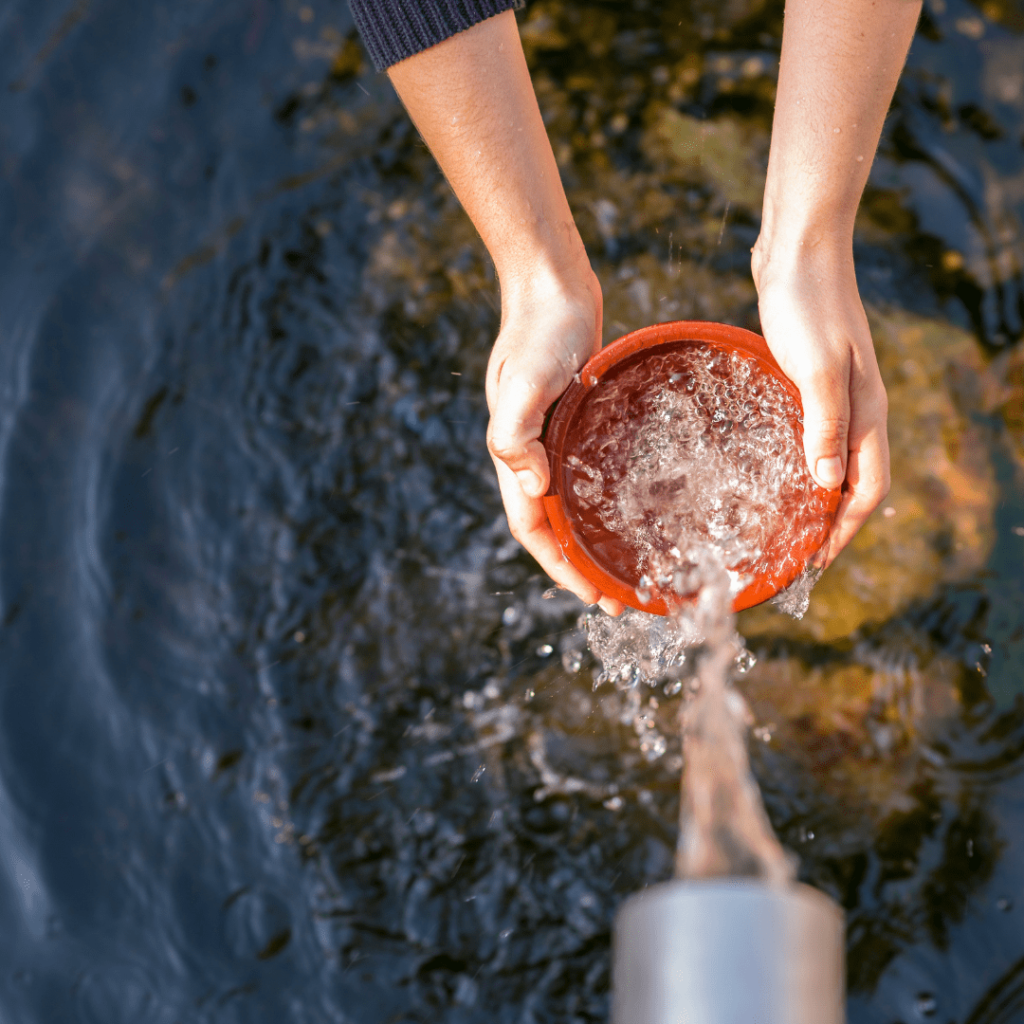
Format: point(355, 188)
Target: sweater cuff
point(395, 29)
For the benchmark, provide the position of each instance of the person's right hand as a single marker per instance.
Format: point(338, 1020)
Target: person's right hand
point(549, 329)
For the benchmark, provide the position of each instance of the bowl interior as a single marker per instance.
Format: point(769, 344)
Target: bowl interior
point(610, 560)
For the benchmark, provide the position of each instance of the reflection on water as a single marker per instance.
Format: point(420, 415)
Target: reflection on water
point(288, 728)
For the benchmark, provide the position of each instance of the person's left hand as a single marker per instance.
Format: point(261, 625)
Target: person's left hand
point(814, 322)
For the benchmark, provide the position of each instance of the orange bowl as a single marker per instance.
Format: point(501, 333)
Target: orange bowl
point(613, 576)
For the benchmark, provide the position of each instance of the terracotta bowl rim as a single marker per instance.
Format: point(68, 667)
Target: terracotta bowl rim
point(724, 336)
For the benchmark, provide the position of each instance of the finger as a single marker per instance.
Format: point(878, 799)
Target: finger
point(611, 607)
point(528, 523)
point(826, 401)
point(513, 435)
point(867, 480)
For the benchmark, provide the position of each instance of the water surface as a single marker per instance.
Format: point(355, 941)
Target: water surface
point(287, 733)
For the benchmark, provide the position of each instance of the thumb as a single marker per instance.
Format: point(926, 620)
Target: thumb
point(513, 435)
point(826, 402)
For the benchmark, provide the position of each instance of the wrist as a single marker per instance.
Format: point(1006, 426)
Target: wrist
point(546, 275)
point(800, 245)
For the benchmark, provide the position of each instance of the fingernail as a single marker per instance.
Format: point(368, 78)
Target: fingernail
point(529, 482)
point(608, 606)
point(829, 471)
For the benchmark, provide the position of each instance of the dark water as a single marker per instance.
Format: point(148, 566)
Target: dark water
point(286, 733)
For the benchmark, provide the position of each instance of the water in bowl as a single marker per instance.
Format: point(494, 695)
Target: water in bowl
point(686, 448)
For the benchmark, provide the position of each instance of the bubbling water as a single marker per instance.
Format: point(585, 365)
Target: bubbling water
point(699, 483)
point(712, 455)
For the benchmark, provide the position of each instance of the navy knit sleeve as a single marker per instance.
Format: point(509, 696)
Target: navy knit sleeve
point(395, 29)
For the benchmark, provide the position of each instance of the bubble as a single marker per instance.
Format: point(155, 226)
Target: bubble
point(545, 651)
point(572, 661)
point(745, 661)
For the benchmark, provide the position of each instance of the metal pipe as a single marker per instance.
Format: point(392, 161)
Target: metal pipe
point(728, 951)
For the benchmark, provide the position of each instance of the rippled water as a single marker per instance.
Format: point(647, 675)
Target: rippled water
point(286, 728)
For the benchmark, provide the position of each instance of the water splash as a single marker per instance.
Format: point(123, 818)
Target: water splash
point(713, 455)
point(709, 481)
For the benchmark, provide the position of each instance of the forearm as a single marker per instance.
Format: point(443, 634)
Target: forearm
point(472, 100)
point(840, 63)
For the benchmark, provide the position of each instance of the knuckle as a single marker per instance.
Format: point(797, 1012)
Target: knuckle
point(881, 400)
point(830, 430)
point(503, 447)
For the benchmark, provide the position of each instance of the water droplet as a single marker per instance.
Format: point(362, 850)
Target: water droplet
point(505, 933)
point(1004, 904)
point(614, 803)
point(925, 1005)
point(478, 774)
point(545, 651)
point(550, 593)
point(572, 661)
point(652, 746)
point(530, 693)
point(970, 847)
point(673, 687)
point(987, 648)
point(745, 661)
point(510, 615)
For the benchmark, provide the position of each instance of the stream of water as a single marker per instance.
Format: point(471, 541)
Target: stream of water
point(694, 458)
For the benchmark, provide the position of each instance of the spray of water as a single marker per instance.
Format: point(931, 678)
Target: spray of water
point(707, 479)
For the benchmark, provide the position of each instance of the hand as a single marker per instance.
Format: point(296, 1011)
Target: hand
point(815, 325)
point(473, 102)
point(549, 329)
